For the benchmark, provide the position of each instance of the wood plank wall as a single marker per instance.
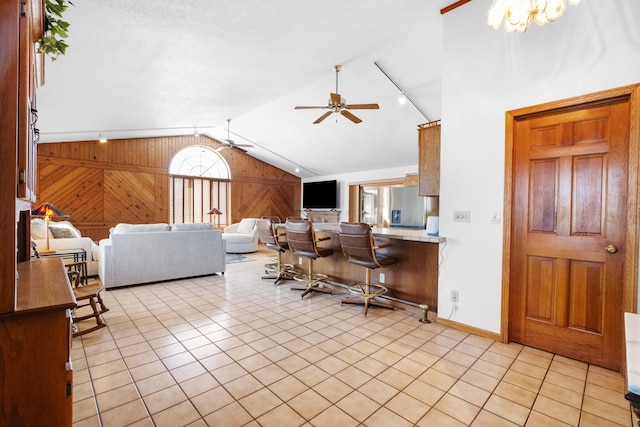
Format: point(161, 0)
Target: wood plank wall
point(127, 180)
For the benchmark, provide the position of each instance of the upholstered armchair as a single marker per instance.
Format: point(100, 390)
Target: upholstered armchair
point(241, 237)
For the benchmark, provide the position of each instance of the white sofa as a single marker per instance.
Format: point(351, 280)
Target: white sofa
point(63, 235)
point(241, 237)
point(144, 253)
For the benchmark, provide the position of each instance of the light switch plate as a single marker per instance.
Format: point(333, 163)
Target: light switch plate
point(461, 216)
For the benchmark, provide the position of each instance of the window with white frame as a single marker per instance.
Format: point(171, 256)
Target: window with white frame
point(199, 181)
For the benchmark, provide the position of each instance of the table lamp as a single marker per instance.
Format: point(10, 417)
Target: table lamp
point(216, 212)
point(47, 210)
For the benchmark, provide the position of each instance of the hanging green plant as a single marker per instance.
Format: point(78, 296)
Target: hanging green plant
point(55, 29)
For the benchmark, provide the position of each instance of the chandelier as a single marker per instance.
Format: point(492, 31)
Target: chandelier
point(516, 15)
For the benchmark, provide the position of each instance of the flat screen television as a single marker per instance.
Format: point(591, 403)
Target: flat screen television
point(320, 195)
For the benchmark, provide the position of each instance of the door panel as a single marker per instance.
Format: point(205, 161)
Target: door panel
point(570, 175)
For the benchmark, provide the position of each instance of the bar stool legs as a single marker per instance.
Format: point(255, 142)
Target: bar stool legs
point(278, 271)
point(312, 281)
point(366, 292)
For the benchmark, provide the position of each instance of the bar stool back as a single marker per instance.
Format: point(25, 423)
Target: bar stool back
point(276, 241)
point(303, 242)
point(358, 247)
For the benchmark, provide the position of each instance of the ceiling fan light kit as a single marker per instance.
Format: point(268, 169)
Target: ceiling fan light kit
point(337, 104)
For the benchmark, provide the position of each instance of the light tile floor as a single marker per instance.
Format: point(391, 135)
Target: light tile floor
point(236, 350)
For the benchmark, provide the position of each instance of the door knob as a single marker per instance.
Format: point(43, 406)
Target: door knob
point(612, 249)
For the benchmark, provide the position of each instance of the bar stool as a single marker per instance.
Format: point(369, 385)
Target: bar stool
point(302, 242)
point(358, 247)
point(269, 236)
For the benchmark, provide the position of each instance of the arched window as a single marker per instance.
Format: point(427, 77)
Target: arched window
point(199, 161)
point(199, 181)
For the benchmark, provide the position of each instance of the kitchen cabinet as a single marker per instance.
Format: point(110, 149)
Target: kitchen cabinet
point(429, 159)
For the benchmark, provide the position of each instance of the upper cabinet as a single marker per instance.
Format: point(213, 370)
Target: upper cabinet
point(429, 158)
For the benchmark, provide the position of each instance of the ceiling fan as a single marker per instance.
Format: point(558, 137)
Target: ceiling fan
point(229, 143)
point(337, 104)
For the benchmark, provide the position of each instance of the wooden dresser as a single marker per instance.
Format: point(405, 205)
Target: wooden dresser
point(35, 364)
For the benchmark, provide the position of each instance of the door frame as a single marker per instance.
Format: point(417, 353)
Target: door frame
point(630, 269)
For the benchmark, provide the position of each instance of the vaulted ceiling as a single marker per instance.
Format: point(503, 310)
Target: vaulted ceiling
point(153, 68)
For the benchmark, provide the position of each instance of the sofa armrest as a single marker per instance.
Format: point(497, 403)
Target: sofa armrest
point(233, 228)
point(105, 269)
point(71, 243)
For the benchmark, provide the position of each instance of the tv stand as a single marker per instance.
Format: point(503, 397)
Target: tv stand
point(322, 215)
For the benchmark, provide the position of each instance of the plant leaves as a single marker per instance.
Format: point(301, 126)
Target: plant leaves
point(56, 29)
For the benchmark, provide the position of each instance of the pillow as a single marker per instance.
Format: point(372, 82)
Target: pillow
point(246, 226)
point(194, 226)
point(60, 232)
point(139, 228)
point(39, 229)
point(66, 225)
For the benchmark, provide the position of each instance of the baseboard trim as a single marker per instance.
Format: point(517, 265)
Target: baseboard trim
point(470, 329)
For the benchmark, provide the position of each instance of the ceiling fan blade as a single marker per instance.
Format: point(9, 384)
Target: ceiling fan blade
point(322, 117)
point(308, 107)
point(350, 116)
point(362, 106)
point(236, 147)
point(335, 98)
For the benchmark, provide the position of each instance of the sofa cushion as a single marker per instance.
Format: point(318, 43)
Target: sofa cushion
point(140, 228)
point(246, 226)
point(64, 230)
point(61, 233)
point(39, 229)
point(194, 226)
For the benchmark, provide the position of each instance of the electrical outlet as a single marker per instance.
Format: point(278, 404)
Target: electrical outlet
point(455, 307)
point(299, 260)
point(461, 216)
point(381, 277)
point(454, 296)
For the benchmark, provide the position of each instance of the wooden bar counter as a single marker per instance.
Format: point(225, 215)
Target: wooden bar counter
point(413, 278)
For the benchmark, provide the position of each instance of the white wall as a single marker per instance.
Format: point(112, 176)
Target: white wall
point(594, 46)
point(345, 179)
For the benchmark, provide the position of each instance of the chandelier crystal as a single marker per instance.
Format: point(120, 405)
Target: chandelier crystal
point(516, 15)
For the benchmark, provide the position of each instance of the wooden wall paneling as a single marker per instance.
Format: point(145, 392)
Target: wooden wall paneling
point(129, 197)
point(135, 185)
point(100, 152)
point(75, 190)
point(259, 198)
point(161, 191)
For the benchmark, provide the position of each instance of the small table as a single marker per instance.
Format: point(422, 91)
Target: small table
point(74, 254)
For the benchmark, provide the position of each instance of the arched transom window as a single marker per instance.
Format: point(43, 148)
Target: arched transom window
point(199, 182)
point(200, 161)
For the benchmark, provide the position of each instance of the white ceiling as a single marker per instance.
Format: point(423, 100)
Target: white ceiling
point(151, 68)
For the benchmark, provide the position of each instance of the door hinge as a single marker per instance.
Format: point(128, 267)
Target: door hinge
point(23, 9)
point(22, 176)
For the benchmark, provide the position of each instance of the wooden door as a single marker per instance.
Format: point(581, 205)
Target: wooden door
point(569, 219)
